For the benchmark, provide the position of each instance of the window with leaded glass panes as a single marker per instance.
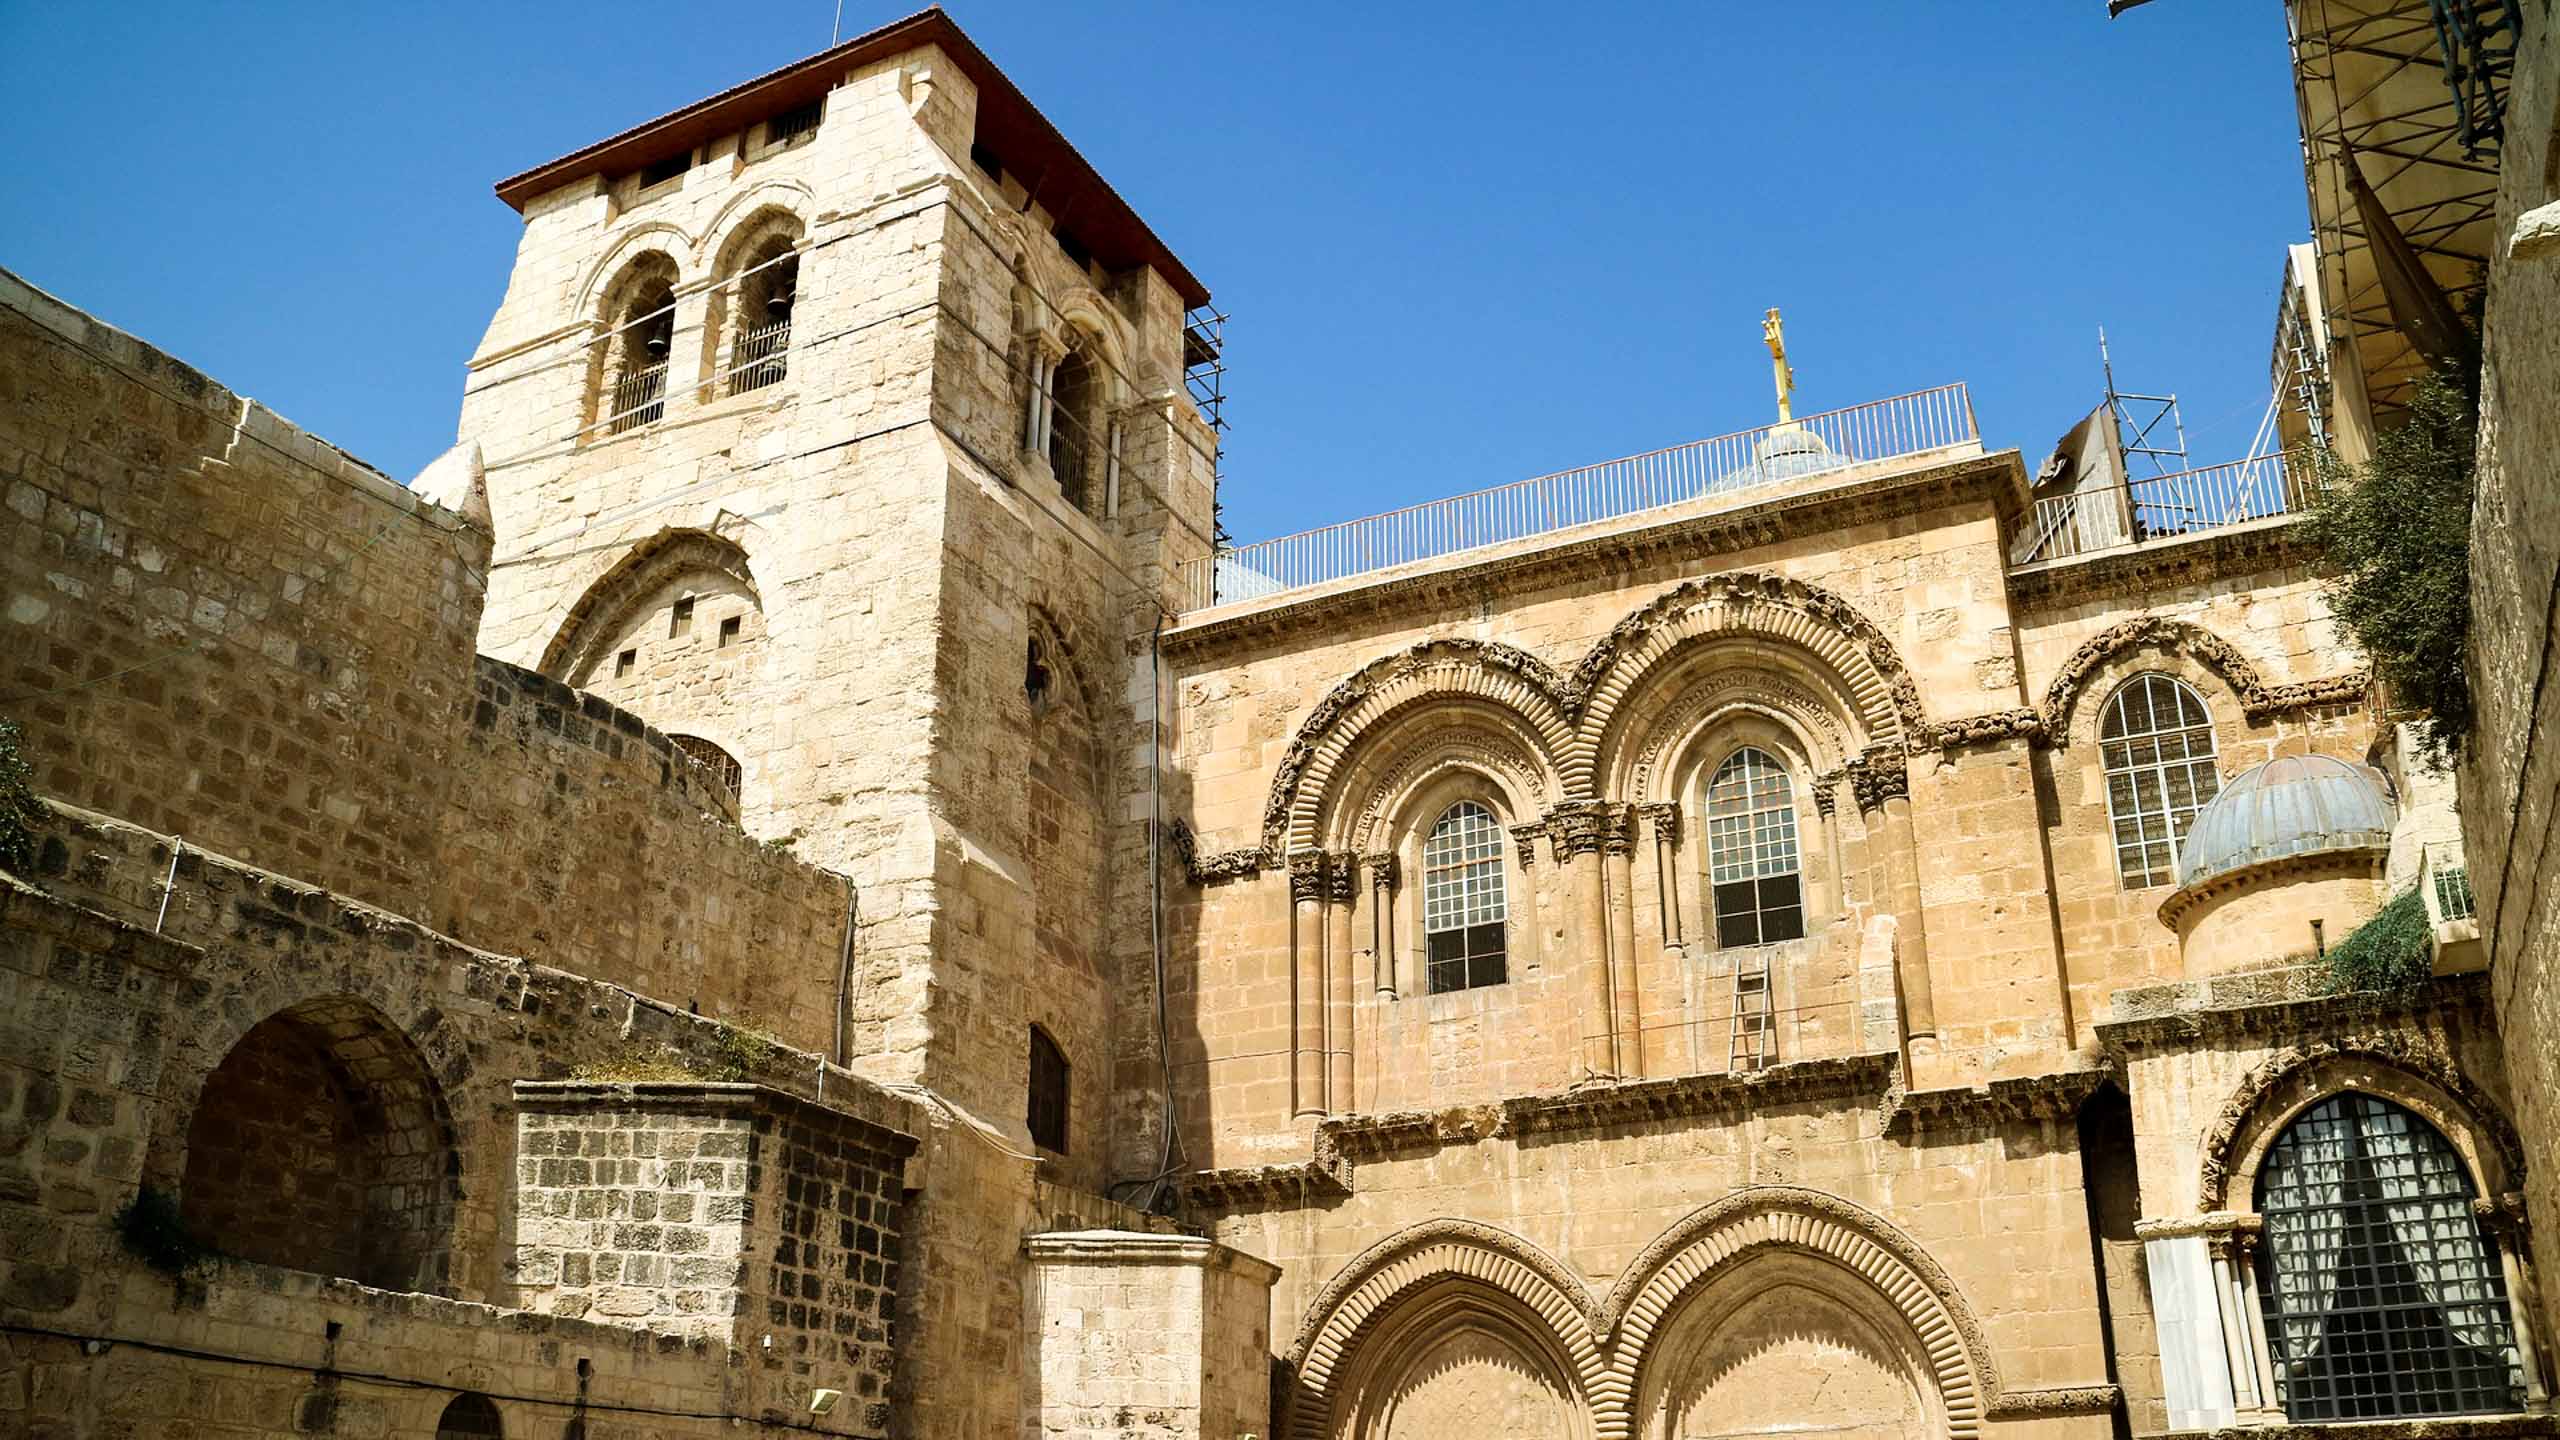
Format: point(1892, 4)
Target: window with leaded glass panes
point(2384, 1296)
point(2157, 745)
point(1751, 851)
point(1463, 904)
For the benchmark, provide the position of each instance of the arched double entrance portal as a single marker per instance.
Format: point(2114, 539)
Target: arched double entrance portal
point(1773, 1311)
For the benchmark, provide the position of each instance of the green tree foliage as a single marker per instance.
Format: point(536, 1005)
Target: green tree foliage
point(2397, 533)
point(20, 813)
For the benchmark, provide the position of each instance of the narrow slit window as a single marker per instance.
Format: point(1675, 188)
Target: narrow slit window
point(680, 620)
point(1752, 861)
point(1464, 907)
point(1049, 1089)
point(729, 630)
point(625, 663)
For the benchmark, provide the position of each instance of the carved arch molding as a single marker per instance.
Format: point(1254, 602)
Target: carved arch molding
point(2248, 1116)
point(597, 616)
point(1567, 719)
point(1600, 1345)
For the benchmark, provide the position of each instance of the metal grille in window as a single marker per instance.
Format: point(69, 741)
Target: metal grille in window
point(1751, 851)
point(1049, 1079)
point(725, 770)
point(2384, 1297)
point(2157, 745)
point(761, 356)
point(792, 126)
point(2454, 900)
point(1463, 904)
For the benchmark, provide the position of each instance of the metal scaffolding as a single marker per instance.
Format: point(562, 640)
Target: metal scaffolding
point(2414, 91)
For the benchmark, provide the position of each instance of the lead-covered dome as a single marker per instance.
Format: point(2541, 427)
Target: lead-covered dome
point(1788, 452)
point(2295, 805)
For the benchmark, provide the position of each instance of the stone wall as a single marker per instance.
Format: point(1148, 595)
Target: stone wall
point(218, 624)
point(312, 705)
point(1143, 1337)
point(2510, 778)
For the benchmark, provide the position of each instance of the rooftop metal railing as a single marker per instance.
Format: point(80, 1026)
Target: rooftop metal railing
point(2163, 507)
point(1911, 424)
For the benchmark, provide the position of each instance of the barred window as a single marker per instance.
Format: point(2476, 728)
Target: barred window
point(2384, 1296)
point(1751, 851)
point(1463, 905)
point(2157, 744)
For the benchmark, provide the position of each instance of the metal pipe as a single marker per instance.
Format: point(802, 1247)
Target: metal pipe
point(844, 968)
point(169, 885)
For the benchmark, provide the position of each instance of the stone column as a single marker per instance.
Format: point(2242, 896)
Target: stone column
point(1306, 981)
point(1574, 829)
point(1665, 822)
point(1618, 848)
point(1342, 880)
point(1382, 923)
point(2510, 1225)
point(1883, 785)
point(2244, 1325)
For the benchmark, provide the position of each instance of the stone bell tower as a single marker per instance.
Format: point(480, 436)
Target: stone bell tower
point(835, 426)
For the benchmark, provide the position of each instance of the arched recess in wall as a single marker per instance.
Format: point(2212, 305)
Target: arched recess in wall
point(1447, 1327)
point(754, 294)
point(1513, 695)
point(1828, 662)
point(1794, 1281)
point(1066, 852)
point(322, 1142)
point(587, 641)
point(2102, 659)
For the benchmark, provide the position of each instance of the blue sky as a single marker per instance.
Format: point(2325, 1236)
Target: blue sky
point(1462, 244)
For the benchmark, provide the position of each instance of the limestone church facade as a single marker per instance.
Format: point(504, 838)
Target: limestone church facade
point(793, 881)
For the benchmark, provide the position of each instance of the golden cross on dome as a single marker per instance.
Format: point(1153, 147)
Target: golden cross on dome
point(1774, 331)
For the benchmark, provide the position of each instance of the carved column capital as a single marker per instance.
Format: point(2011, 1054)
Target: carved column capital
point(2507, 1219)
point(1826, 791)
point(1664, 817)
point(1382, 870)
point(1306, 876)
point(1342, 876)
point(1526, 836)
point(1878, 780)
point(1618, 830)
point(1577, 828)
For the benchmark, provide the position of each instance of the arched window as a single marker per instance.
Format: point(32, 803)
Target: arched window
point(471, 1417)
point(1464, 907)
point(768, 284)
point(2157, 744)
point(640, 333)
point(1049, 1092)
point(1072, 418)
point(2383, 1295)
point(1751, 851)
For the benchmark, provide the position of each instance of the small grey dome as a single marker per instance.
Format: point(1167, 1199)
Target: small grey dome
point(1790, 452)
point(2296, 805)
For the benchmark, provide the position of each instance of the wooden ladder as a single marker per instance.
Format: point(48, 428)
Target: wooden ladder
point(1754, 1040)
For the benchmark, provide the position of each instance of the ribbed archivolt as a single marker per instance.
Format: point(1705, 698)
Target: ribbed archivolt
point(1539, 724)
point(1804, 1221)
point(1608, 1342)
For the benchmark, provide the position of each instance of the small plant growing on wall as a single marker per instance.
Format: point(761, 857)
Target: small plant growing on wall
point(20, 811)
point(2396, 532)
point(2391, 953)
